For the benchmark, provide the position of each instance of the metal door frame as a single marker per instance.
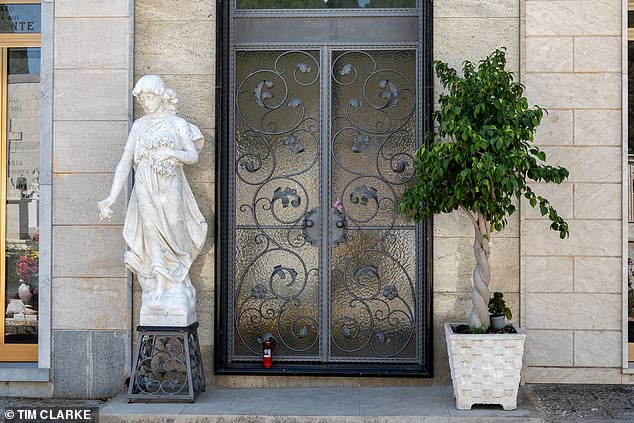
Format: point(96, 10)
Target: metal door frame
point(224, 244)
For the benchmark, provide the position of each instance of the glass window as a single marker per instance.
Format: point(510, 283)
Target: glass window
point(19, 180)
point(22, 195)
point(324, 4)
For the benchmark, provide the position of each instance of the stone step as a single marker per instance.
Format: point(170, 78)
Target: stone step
point(428, 404)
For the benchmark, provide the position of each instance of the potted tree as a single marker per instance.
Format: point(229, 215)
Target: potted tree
point(480, 160)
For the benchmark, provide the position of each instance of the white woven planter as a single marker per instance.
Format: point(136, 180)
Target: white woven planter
point(485, 369)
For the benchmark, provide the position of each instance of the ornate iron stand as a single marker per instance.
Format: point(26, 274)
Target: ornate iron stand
point(167, 365)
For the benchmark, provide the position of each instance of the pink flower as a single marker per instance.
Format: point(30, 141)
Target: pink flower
point(27, 268)
point(337, 205)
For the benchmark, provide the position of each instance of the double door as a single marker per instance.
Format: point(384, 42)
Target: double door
point(322, 138)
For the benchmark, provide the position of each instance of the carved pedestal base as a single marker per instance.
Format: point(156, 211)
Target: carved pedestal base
point(167, 364)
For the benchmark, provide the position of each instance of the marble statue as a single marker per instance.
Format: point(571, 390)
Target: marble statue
point(164, 228)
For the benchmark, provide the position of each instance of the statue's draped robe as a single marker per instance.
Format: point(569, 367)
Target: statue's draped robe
point(164, 227)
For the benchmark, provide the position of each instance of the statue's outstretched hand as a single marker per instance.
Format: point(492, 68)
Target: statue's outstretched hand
point(104, 208)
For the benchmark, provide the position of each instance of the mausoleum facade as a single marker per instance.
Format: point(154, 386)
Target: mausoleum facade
point(310, 113)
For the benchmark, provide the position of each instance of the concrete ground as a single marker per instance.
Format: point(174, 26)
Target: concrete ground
point(536, 403)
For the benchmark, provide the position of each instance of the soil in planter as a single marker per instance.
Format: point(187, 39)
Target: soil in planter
point(466, 330)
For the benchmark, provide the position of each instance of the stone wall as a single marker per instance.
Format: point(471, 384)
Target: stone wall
point(569, 54)
point(572, 289)
point(565, 286)
point(90, 290)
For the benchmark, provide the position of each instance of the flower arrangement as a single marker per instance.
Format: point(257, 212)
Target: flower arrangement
point(165, 167)
point(27, 265)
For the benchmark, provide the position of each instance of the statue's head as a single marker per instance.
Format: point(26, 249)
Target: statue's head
point(151, 92)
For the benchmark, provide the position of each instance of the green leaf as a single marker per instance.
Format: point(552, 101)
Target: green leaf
point(507, 313)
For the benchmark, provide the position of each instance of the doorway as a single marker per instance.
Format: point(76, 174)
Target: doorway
point(324, 109)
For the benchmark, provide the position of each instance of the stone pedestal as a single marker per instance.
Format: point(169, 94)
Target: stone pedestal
point(166, 319)
point(167, 364)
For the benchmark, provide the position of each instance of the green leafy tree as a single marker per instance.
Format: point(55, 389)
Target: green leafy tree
point(481, 159)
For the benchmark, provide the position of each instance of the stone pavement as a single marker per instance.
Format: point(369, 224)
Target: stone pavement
point(537, 404)
point(582, 403)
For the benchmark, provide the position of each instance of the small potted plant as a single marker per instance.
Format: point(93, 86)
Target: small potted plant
point(480, 161)
point(499, 311)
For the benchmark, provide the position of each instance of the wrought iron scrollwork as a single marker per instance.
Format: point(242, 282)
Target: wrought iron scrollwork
point(168, 364)
point(287, 196)
point(281, 195)
point(277, 146)
point(374, 137)
point(363, 194)
point(338, 227)
point(162, 368)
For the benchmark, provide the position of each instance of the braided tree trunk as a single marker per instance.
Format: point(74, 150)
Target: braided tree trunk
point(480, 293)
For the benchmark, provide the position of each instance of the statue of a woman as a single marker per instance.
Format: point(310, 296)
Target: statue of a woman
point(164, 228)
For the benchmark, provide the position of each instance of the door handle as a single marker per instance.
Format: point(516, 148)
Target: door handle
point(312, 218)
point(338, 226)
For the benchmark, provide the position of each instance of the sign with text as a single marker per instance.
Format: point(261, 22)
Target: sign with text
point(20, 18)
point(52, 414)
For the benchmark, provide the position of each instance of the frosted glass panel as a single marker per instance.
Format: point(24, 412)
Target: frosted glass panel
point(277, 180)
point(373, 304)
point(276, 293)
point(373, 138)
point(373, 133)
point(323, 265)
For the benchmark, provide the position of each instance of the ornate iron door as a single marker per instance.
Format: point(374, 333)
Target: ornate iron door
point(321, 141)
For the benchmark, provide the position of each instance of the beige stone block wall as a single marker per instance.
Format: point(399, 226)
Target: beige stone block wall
point(90, 290)
point(572, 289)
point(90, 118)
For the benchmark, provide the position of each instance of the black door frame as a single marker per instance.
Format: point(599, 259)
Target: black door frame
point(222, 263)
